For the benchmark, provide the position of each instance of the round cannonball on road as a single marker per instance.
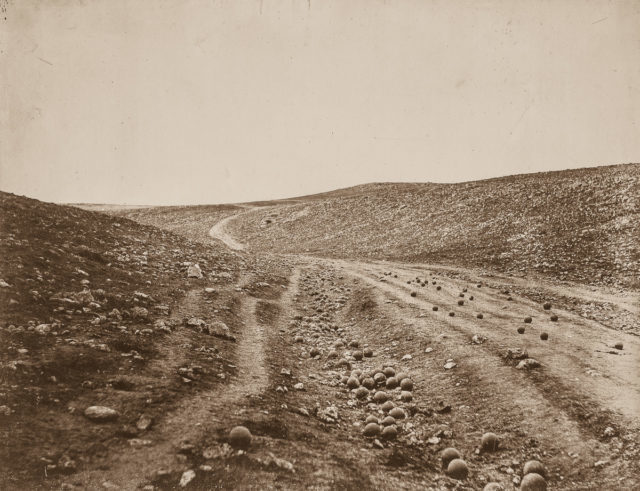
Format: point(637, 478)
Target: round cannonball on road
point(547, 306)
point(368, 383)
point(379, 378)
point(391, 383)
point(521, 330)
point(380, 397)
point(489, 442)
point(533, 482)
point(406, 396)
point(371, 429)
point(371, 419)
point(528, 320)
point(388, 420)
point(479, 316)
point(387, 406)
point(406, 384)
point(460, 302)
point(240, 438)
point(397, 413)
point(390, 432)
point(434, 308)
point(544, 336)
point(458, 469)
point(368, 353)
point(447, 455)
point(534, 466)
point(353, 382)
point(358, 355)
point(362, 392)
point(619, 346)
point(389, 372)
point(554, 318)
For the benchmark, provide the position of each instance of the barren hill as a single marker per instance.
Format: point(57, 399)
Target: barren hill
point(582, 225)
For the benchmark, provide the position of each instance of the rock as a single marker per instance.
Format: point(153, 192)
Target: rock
point(447, 455)
point(460, 303)
point(515, 354)
point(4, 284)
point(533, 482)
point(220, 330)
point(5, 410)
point(494, 486)
point(449, 365)
point(43, 328)
point(240, 438)
point(371, 430)
point(139, 313)
point(100, 413)
point(144, 423)
point(458, 469)
point(406, 357)
point(534, 466)
point(186, 478)
point(329, 414)
point(299, 386)
point(273, 461)
point(489, 442)
point(528, 364)
point(194, 271)
point(209, 290)
point(477, 339)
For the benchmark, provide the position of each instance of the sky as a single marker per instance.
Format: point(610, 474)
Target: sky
point(215, 101)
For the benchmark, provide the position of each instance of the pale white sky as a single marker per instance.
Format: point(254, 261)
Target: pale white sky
point(204, 101)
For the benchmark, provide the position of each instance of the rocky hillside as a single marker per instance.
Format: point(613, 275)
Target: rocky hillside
point(88, 303)
point(581, 225)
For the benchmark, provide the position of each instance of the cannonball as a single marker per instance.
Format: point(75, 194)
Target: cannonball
point(458, 469)
point(452, 314)
point(358, 355)
point(460, 302)
point(368, 383)
point(554, 318)
point(362, 392)
point(528, 320)
point(299, 339)
point(356, 373)
point(353, 382)
point(332, 354)
point(371, 429)
point(406, 384)
point(390, 432)
point(368, 353)
point(400, 376)
point(489, 442)
point(371, 419)
point(521, 330)
point(379, 378)
point(447, 455)
point(388, 420)
point(354, 343)
point(434, 308)
point(547, 306)
point(387, 406)
point(438, 288)
point(344, 379)
point(406, 396)
point(414, 294)
point(380, 397)
point(534, 466)
point(479, 316)
point(533, 482)
point(618, 346)
point(544, 336)
point(461, 295)
point(397, 413)
point(240, 438)
point(389, 371)
point(314, 352)
point(391, 383)
point(471, 297)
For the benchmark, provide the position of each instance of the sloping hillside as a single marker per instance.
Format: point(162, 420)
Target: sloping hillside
point(581, 225)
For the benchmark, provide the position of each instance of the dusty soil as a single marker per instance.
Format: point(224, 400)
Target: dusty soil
point(298, 325)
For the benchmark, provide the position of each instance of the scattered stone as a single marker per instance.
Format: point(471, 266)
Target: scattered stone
point(194, 271)
point(186, 478)
point(144, 423)
point(100, 413)
point(528, 364)
point(406, 357)
point(450, 365)
point(329, 414)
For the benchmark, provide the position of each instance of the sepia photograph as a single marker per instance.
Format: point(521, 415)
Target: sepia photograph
point(320, 245)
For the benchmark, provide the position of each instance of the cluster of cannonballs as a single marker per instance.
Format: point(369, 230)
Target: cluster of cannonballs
point(528, 320)
point(379, 386)
point(533, 471)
